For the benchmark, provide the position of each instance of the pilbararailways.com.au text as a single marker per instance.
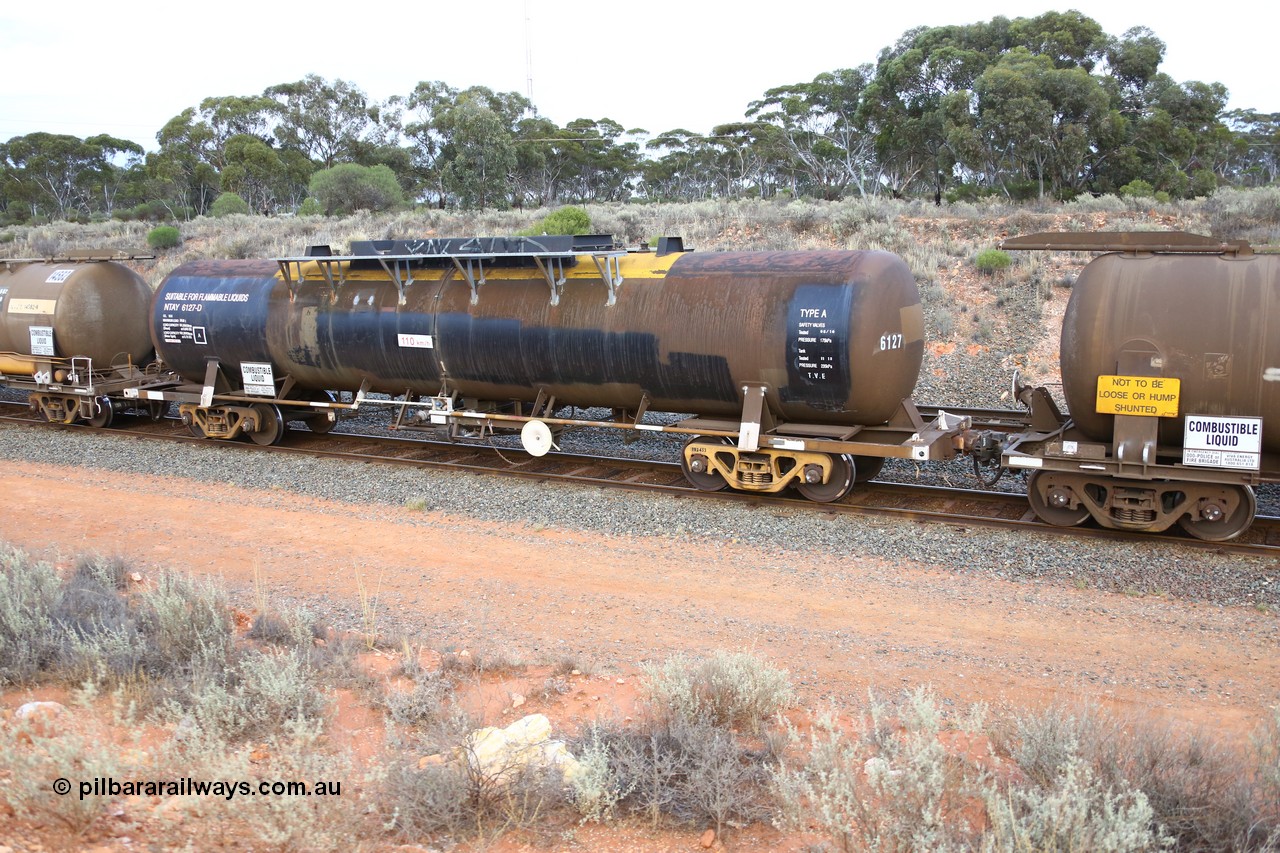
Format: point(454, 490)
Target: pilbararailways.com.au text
point(108, 786)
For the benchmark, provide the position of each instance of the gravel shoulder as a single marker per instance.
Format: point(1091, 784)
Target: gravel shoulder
point(615, 578)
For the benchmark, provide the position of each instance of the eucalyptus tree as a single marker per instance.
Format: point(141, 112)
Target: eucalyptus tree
point(59, 176)
point(479, 156)
point(1034, 121)
point(543, 162)
point(823, 145)
point(1257, 147)
point(326, 121)
point(252, 169)
point(672, 171)
point(602, 163)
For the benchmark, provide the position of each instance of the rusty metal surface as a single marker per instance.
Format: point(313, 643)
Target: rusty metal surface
point(1212, 321)
point(98, 310)
point(837, 336)
point(1124, 241)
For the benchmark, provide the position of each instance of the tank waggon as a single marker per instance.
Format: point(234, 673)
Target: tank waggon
point(796, 351)
point(74, 332)
point(1170, 364)
point(1210, 320)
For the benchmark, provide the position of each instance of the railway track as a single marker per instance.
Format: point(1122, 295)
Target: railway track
point(912, 502)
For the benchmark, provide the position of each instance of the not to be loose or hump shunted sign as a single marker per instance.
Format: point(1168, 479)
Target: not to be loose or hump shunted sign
point(1222, 442)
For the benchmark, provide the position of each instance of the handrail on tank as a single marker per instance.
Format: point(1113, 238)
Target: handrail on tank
point(470, 266)
point(82, 256)
point(1179, 242)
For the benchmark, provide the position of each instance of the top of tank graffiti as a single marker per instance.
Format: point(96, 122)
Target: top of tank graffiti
point(442, 251)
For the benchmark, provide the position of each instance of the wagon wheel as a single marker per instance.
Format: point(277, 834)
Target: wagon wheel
point(270, 425)
point(321, 422)
point(1219, 528)
point(1054, 508)
point(867, 468)
point(104, 412)
point(837, 485)
point(705, 480)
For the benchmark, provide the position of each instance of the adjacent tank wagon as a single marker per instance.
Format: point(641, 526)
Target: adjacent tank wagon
point(1170, 358)
point(74, 332)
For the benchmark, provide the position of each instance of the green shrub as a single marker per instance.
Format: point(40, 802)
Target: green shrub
point(1137, 188)
point(310, 207)
point(227, 204)
point(163, 237)
point(349, 187)
point(567, 220)
point(991, 261)
point(149, 211)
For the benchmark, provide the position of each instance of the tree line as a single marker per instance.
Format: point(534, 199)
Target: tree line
point(1042, 107)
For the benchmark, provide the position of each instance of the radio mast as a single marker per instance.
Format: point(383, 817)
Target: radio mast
point(528, 55)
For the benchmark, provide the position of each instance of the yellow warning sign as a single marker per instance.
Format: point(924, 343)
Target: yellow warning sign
point(1149, 396)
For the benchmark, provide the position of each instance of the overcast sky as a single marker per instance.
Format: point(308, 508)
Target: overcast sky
point(126, 68)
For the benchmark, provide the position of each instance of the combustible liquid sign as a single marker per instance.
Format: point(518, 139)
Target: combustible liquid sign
point(1222, 442)
point(1146, 396)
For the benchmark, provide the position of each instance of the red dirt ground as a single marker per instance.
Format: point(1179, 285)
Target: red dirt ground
point(839, 625)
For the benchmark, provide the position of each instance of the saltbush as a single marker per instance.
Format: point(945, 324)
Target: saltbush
point(726, 688)
point(29, 593)
point(686, 770)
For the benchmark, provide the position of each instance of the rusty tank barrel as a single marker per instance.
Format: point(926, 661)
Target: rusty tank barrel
point(836, 336)
point(66, 309)
point(1209, 320)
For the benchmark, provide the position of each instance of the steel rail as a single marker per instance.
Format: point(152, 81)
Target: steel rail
point(904, 501)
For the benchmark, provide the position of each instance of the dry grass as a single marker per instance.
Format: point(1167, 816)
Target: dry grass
point(710, 749)
point(927, 236)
